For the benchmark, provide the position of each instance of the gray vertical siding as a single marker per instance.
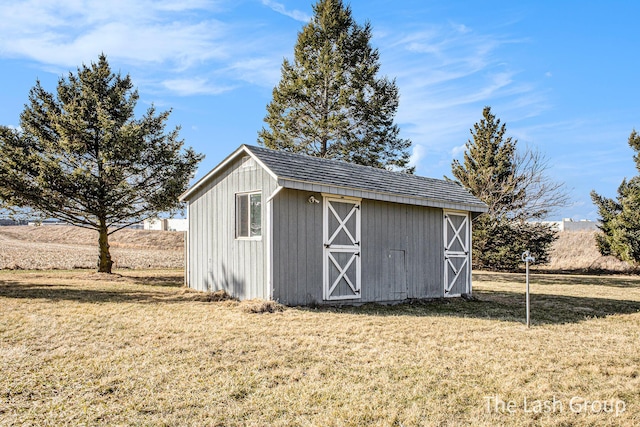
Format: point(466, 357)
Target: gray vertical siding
point(402, 250)
point(297, 248)
point(396, 235)
point(426, 246)
point(217, 260)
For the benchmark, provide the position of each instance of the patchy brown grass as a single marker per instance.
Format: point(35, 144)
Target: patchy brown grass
point(137, 349)
point(261, 306)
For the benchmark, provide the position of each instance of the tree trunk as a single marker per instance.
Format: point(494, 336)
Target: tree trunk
point(104, 262)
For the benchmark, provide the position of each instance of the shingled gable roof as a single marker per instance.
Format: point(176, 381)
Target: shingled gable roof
point(301, 172)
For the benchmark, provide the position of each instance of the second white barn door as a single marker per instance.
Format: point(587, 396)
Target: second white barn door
point(342, 247)
point(457, 253)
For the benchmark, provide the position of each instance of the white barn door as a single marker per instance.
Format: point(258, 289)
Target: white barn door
point(341, 253)
point(457, 253)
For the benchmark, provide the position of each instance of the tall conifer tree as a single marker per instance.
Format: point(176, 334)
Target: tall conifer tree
point(516, 190)
point(81, 156)
point(330, 102)
point(488, 171)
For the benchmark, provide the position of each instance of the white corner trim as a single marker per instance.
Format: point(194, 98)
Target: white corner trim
point(274, 194)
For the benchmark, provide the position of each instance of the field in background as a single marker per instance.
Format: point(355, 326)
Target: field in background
point(65, 247)
point(82, 348)
point(576, 251)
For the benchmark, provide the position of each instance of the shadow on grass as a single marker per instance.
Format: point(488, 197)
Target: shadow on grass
point(125, 293)
point(556, 279)
point(504, 306)
point(487, 304)
point(159, 280)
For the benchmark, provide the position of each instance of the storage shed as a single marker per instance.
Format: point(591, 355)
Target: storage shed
point(305, 230)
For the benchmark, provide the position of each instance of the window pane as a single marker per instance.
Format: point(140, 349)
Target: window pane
point(256, 215)
point(242, 215)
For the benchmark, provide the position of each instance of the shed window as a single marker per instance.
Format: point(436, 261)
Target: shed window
point(249, 215)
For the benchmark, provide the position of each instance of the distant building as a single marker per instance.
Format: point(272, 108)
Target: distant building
point(158, 224)
point(47, 222)
point(568, 224)
point(177, 224)
point(166, 224)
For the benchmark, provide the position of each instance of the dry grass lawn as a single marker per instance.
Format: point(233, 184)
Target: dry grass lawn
point(77, 348)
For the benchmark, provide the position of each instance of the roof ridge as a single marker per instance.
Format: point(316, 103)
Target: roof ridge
point(343, 163)
point(303, 171)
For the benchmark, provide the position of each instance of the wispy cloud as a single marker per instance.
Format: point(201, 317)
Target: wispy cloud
point(175, 45)
point(457, 150)
point(280, 8)
point(195, 86)
point(446, 75)
point(164, 43)
point(263, 71)
point(417, 155)
point(67, 33)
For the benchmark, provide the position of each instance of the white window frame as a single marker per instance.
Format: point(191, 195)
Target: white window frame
point(248, 194)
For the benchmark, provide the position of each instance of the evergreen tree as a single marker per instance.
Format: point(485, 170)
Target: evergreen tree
point(499, 243)
point(516, 190)
point(83, 157)
point(329, 102)
point(489, 169)
point(620, 218)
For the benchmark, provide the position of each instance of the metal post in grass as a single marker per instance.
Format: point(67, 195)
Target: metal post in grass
point(527, 258)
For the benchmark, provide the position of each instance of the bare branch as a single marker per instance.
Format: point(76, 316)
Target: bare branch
point(542, 195)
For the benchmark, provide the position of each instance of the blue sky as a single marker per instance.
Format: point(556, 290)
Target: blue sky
point(563, 75)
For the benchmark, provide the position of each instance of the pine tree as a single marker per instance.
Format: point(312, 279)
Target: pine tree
point(516, 190)
point(329, 102)
point(620, 218)
point(83, 157)
point(489, 169)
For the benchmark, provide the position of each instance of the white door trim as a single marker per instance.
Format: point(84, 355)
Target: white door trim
point(461, 234)
point(329, 248)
